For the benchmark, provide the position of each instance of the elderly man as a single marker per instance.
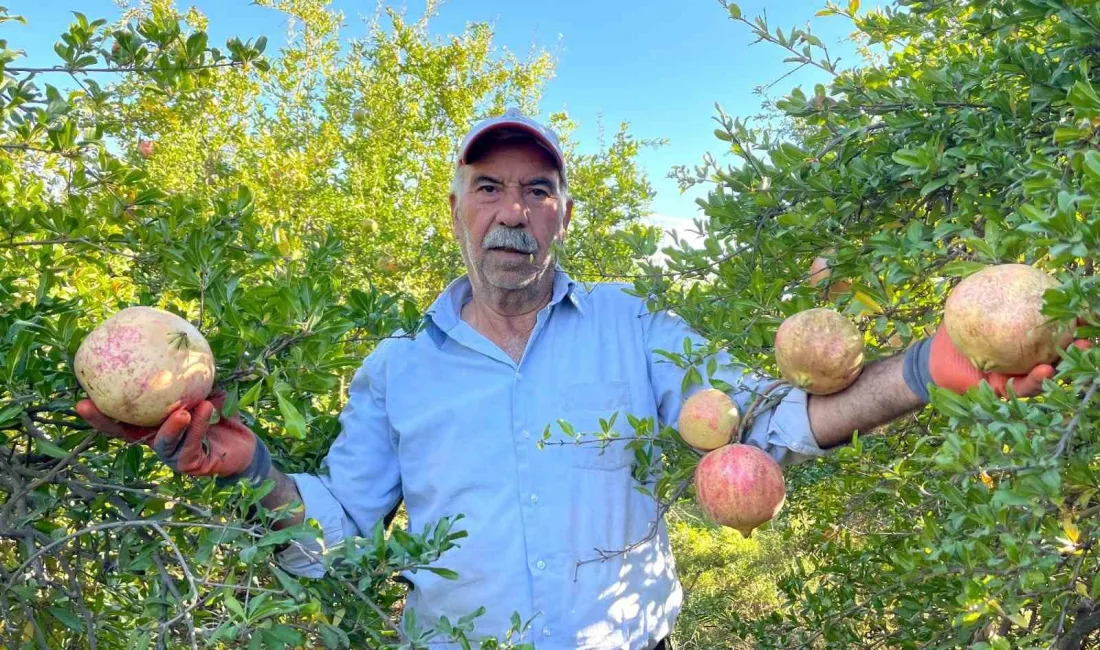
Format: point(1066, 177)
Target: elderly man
point(449, 421)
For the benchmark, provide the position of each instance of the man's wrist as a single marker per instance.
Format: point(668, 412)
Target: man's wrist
point(257, 471)
point(917, 369)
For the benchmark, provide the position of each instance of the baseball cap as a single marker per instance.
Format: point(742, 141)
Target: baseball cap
point(513, 119)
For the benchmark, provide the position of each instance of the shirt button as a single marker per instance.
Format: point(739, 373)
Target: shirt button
point(526, 433)
point(534, 498)
point(540, 564)
point(546, 631)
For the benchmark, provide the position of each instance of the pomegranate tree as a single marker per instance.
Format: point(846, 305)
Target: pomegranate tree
point(142, 363)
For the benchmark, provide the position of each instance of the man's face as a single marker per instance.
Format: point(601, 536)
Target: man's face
point(509, 213)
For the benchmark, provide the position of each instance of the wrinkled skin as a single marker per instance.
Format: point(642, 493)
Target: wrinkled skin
point(708, 419)
point(142, 363)
point(819, 351)
point(994, 317)
point(739, 486)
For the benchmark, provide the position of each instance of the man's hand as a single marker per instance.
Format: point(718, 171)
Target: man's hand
point(188, 443)
point(939, 362)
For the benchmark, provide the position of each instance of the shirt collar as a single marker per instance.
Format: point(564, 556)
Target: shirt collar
point(446, 311)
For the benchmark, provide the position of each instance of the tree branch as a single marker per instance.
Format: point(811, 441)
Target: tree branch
point(121, 69)
point(1087, 622)
point(1072, 426)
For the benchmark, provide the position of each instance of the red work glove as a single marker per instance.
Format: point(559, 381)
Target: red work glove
point(939, 362)
point(188, 443)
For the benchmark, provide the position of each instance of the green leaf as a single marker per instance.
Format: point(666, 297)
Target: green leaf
point(1083, 97)
point(48, 448)
point(10, 413)
point(252, 394)
point(909, 158)
point(932, 186)
point(231, 405)
point(735, 11)
point(962, 268)
point(1033, 213)
point(443, 573)
point(333, 637)
point(67, 618)
point(275, 537)
point(1092, 164)
point(1005, 497)
point(1064, 134)
point(285, 634)
point(293, 421)
point(288, 583)
point(234, 606)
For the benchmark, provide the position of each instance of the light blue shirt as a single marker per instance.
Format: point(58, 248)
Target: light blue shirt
point(450, 423)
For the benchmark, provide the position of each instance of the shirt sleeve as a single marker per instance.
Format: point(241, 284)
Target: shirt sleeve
point(358, 483)
point(783, 431)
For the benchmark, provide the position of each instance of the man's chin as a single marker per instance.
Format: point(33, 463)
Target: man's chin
point(517, 275)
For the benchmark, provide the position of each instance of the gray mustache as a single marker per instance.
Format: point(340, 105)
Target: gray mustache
point(514, 238)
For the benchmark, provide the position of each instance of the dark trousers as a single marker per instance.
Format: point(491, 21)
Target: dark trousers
point(665, 644)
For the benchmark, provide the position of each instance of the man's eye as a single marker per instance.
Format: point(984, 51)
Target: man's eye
point(539, 192)
point(488, 189)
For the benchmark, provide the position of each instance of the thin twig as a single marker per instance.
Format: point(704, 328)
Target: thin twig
point(604, 555)
point(190, 581)
point(1069, 589)
point(49, 476)
point(1072, 426)
point(109, 525)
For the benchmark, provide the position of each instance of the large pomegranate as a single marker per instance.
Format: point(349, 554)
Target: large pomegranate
point(708, 419)
point(994, 317)
point(739, 486)
point(142, 363)
point(819, 350)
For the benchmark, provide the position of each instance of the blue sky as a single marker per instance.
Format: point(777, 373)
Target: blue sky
point(660, 66)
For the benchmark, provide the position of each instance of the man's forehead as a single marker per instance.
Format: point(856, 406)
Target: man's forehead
point(503, 166)
point(539, 178)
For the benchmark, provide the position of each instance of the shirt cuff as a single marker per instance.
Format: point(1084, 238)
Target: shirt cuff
point(303, 558)
point(784, 432)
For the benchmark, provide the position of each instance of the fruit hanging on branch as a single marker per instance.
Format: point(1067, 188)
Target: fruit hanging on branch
point(739, 486)
point(145, 148)
point(820, 272)
point(708, 419)
point(995, 318)
point(142, 363)
point(819, 350)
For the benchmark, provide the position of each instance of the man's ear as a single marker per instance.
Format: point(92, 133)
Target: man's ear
point(568, 215)
point(454, 213)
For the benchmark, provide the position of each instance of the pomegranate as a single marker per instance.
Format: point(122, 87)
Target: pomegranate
point(739, 486)
point(994, 317)
point(821, 271)
point(145, 148)
point(819, 350)
point(142, 363)
point(708, 419)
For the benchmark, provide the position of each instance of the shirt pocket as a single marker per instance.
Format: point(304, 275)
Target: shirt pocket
point(583, 405)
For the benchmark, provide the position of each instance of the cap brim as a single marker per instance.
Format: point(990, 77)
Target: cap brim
point(515, 125)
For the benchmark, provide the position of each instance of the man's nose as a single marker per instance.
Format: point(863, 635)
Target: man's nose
point(513, 210)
